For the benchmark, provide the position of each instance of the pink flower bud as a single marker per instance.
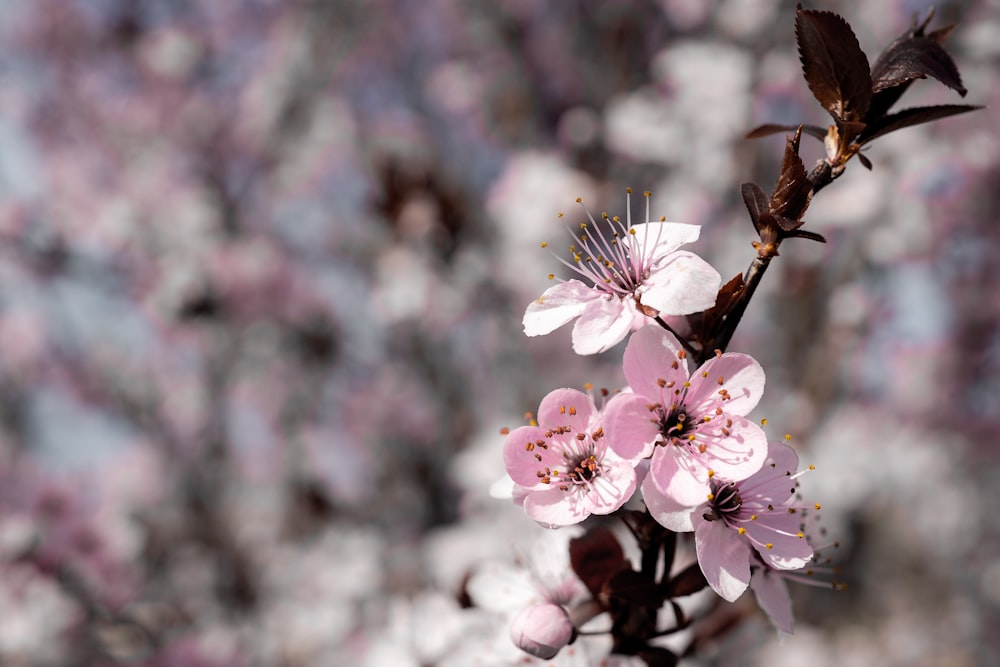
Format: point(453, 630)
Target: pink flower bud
point(541, 630)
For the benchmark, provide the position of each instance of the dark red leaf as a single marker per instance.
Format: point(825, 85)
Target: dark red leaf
point(729, 294)
point(631, 589)
point(657, 656)
point(805, 234)
point(915, 58)
point(596, 556)
point(910, 117)
point(787, 224)
point(885, 97)
point(690, 580)
point(833, 63)
point(755, 200)
point(792, 192)
point(769, 129)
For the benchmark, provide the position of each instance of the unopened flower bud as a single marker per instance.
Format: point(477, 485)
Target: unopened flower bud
point(541, 630)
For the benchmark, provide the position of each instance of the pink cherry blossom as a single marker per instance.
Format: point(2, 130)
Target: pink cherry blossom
point(759, 513)
point(693, 426)
point(562, 468)
point(630, 276)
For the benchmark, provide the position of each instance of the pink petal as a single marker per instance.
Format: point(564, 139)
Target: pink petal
point(742, 379)
point(555, 507)
point(685, 284)
point(772, 596)
point(735, 456)
point(783, 457)
point(771, 481)
point(667, 511)
point(611, 489)
point(788, 551)
point(556, 306)
point(566, 407)
point(603, 324)
point(724, 558)
point(648, 357)
point(629, 429)
point(671, 471)
point(523, 459)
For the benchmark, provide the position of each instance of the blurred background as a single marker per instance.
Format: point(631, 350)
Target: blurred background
point(262, 271)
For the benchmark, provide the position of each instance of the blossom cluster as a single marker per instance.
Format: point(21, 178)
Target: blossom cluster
point(678, 435)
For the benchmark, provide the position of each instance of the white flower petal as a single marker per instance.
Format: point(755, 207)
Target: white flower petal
point(556, 306)
point(603, 324)
point(685, 284)
point(656, 240)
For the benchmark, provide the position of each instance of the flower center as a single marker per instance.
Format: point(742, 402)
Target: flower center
point(725, 503)
point(676, 425)
point(607, 253)
point(583, 468)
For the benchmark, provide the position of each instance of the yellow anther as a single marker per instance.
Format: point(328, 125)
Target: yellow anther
point(763, 422)
point(663, 218)
point(704, 374)
point(769, 545)
point(552, 276)
point(559, 214)
point(687, 384)
point(788, 436)
point(742, 531)
point(800, 534)
point(812, 467)
point(711, 473)
point(588, 386)
point(753, 517)
point(628, 191)
point(691, 437)
point(711, 496)
point(579, 200)
point(818, 506)
point(632, 231)
point(616, 219)
point(647, 193)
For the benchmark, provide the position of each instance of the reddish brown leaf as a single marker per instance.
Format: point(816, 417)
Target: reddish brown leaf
point(657, 656)
point(805, 234)
point(769, 129)
point(915, 58)
point(596, 556)
point(791, 193)
point(690, 580)
point(833, 63)
point(632, 589)
point(755, 200)
point(885, 97)
point(910, 117)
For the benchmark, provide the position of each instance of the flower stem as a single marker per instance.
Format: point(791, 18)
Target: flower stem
point(819, 177)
